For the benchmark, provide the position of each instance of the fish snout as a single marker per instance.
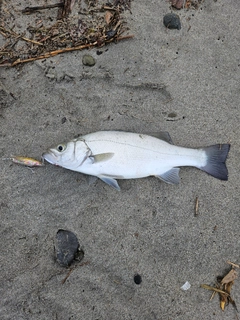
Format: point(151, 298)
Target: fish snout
point(50, 157)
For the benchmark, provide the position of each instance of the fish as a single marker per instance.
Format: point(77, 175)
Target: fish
point(113, 155)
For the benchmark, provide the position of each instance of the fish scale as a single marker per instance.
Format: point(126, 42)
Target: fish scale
point(150, 155)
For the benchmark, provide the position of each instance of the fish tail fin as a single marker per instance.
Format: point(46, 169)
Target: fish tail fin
point(216, 157)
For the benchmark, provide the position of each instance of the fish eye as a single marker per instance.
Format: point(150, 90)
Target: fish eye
point(61, 147)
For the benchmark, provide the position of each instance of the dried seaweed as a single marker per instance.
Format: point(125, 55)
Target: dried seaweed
point(193, 4)
point(93, 26)
point(188, 4)
point(224, 286)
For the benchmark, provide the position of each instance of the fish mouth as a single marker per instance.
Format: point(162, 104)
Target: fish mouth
point(50, 157)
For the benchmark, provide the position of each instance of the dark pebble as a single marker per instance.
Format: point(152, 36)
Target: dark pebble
point(137, 279)
point(172, 115)
point(111, 34)
point(64, 119)
point(172, 21)
point(67, 247)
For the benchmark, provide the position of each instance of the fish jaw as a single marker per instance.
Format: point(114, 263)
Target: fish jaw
point(51, 157)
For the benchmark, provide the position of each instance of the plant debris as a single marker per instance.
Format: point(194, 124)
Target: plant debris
point(75, 28)
point(224, 286)
point(196, 207)
point(188, 4)
point(29, 10)
point(193, 4)
point(178, 4)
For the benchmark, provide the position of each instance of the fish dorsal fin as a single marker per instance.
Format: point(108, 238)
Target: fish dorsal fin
point(163, 135)
point(171, 176)
point(110, 181)
point(102, 157)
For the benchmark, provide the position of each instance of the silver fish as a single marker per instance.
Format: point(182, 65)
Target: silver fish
point(111, 155)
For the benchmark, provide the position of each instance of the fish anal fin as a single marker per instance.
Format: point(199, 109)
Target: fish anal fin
point(110, 181)
point(102, 157)
point(171, 176)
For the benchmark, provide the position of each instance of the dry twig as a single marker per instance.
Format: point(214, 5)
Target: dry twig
point(29, 10)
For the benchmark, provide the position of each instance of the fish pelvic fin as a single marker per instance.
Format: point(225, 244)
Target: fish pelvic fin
point(110, 181)
point(171, 176)
point(216, 157)
point(91, 179)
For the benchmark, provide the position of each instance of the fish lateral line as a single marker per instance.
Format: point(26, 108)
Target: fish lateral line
point(130, 145)
point(147, 149)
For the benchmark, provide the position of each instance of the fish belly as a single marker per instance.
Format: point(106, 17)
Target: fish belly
point(136, 155)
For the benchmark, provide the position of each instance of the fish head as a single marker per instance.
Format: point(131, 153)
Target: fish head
point(68, 155)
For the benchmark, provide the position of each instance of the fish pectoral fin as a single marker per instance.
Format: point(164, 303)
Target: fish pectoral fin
point(170, 176)
point(102, 157)
point(110, 181)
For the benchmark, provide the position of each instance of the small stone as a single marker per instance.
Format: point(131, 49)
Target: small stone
point(88, 60)
point(137, 278)
point(172, 21)
point(64, 119)
point(67, 247)
point(111, 34)
point(172, 115)
point(186, 286)
point(50, 75)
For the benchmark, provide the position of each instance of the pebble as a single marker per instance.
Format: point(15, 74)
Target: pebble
point(67, 248)
point(137, 278)
point(186, 286)
point(50, 75)
point(88, 60)
point(172, 21)
point(111, 34)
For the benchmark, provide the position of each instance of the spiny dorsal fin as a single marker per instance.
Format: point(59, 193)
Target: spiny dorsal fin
point(163, 135)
